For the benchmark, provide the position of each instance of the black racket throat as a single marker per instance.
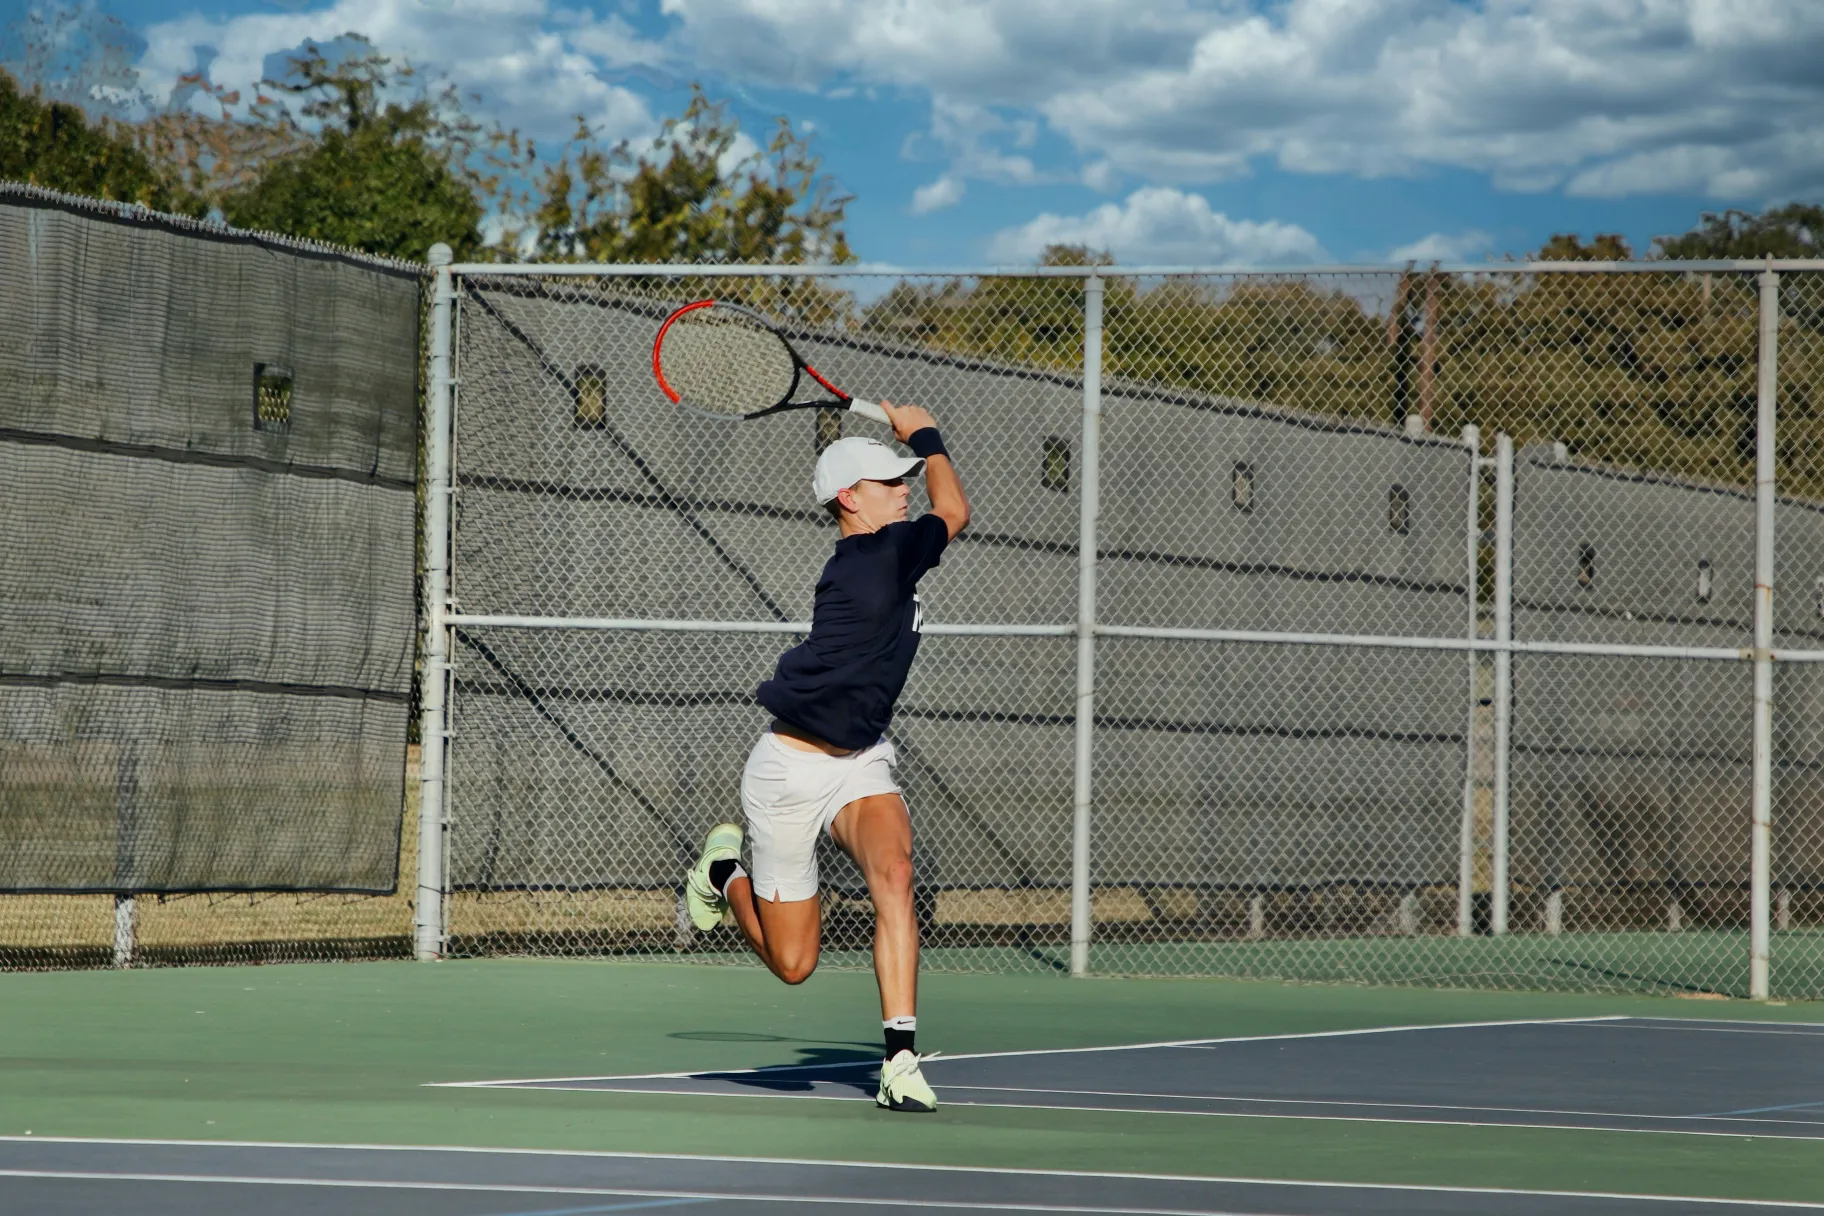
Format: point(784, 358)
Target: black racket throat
point(796, 405)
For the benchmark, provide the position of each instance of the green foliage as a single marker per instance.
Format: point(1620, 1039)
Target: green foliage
point(681, 200)
point(1567, 247)
point(1652, 371)
point(385, 176)
point(1647, 371)
point(53, 144)
point(1793, 231)
point(366, 191)
point(1286, 341)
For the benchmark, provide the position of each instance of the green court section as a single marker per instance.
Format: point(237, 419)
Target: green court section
point(1696, 961)
point(342, 1054)
point(1693, 962)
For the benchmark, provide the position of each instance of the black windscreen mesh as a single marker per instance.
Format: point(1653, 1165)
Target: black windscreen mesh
point(207, 453)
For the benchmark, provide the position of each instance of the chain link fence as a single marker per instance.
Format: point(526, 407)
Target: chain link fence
point(1381, 626)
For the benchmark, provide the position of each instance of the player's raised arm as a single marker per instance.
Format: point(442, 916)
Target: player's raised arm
point(948, 501)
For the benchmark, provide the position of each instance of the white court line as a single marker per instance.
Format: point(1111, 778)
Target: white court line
point(1746, 1134)
point(1223, 1180)
point(1726, 1117)
point(1772, 1022)
point(771, 1069)
point(613, 1193)
point(1813, 1030)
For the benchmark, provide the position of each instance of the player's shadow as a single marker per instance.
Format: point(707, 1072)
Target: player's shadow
point(846, 1065)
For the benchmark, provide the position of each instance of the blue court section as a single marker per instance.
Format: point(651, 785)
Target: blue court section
point(1612, 1074)
point(82, 1178)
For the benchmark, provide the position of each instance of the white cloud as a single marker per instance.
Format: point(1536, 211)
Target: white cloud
point(1612, 96)
point(1159, 224)
point(532, 72)
point(1602, 98)
point(739, 152)
point(980, 143)
point(1445, 247)
point(1102, 176)
point(946, 191)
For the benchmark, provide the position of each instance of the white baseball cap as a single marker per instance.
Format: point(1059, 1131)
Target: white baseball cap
point(854, 459)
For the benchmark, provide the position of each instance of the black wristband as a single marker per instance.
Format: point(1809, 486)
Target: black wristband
point(926, 443)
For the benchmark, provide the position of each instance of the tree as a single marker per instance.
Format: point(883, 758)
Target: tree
point(1037, 322)
point(352, 149)
point(1285, 342)
point(1654, 371)
point(389, 177)
point(53, 144)
point(680, 199)
point(1568, 247)
point(1793, 231)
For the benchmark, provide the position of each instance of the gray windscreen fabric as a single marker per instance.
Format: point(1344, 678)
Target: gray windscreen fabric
point(1631, 776)
point(208, 446)
point(598, 758)
point(1268, 764)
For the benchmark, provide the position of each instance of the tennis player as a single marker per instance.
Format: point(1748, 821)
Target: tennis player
point(825, 764)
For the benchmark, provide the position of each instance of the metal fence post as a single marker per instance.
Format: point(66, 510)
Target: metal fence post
point(1089, 504)
point(127, 873)
point(126, 930)
point(1504, 676)
point(1761, 832)
point(433, 724)
point(1466, 842)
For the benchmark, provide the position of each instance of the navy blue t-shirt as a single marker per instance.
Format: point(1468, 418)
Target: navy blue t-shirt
point(841, 682)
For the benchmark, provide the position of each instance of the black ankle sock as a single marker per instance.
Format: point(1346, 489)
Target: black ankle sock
point(899, 1033)
point(721, 873)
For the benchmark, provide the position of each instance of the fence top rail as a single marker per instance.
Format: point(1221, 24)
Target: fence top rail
point(862, 270)
point(657, 625)
point(1155, 633)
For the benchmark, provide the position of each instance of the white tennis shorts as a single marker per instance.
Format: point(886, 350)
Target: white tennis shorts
point(791, 797)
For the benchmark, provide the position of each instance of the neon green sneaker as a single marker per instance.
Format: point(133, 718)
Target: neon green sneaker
point(704, 901)
point(903, 1086)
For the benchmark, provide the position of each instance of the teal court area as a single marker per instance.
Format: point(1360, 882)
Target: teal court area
point(378, 1088)
point(1702, 963)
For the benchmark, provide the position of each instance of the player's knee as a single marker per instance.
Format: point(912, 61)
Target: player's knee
point(894, 877)
point(796, 970)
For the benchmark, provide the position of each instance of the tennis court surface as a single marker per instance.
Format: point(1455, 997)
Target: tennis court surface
point(1607, 1073)
point(281, 1180)
point(565, 1089)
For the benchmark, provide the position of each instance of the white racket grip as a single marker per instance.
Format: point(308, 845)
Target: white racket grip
point(867, 409)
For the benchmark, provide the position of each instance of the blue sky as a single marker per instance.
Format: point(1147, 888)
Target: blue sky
point(1210, 131)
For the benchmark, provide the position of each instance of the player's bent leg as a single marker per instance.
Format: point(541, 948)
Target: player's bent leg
point(785, 933)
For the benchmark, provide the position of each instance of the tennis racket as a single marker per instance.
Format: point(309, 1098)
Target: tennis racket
point(728, 360)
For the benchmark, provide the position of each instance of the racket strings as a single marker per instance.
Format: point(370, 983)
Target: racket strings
point(724, 362)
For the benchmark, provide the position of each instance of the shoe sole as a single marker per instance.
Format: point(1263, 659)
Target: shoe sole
point(704, 916)
point(905, 1106)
